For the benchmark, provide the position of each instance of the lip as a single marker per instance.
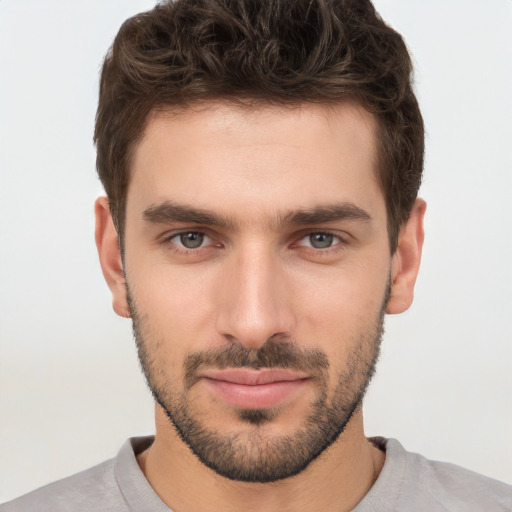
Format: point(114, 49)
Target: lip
point(245, 388)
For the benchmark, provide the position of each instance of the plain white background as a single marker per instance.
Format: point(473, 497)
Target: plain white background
point(70, 388)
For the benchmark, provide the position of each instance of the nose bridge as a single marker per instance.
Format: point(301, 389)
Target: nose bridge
point(255, 305)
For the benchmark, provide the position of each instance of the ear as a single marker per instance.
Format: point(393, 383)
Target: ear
point(406, 260)
point(109, 252)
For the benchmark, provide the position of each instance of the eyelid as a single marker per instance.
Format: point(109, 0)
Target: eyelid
point(176, 239)
point(172, 232)
point(170, 237)
point(342, 237)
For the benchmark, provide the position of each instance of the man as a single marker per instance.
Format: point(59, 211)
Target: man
point(262, 162)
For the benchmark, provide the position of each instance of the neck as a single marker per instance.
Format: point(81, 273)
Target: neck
point(335, 481)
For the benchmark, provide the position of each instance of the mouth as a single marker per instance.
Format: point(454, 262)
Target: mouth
point(246, 388)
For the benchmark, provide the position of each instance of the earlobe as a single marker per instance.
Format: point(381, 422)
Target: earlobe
point(406, 260)
point(109, 252)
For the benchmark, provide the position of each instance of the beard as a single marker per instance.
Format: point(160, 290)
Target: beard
point(256, 456)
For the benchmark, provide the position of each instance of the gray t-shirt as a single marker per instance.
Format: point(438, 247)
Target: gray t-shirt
point(407, 482)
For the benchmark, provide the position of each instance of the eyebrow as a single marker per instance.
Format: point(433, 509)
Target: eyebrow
point(325, 214)
point(169, 212)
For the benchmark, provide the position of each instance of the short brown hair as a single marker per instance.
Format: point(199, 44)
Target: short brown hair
point(264, 51)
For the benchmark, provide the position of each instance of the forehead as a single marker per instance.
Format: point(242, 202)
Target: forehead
point(256, 159)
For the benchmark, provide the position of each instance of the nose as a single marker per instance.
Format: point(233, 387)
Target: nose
point(255, 302)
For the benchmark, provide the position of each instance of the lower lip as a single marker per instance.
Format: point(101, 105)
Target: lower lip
point(261, 396)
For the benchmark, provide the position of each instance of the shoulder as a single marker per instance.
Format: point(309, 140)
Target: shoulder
point(410, 481)
point(453, 479)
point(116, 485)
point(93, 489)
point(457, 488)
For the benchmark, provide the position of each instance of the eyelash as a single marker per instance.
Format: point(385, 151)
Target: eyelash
point(181, 250)
point(339, 244)
point(310, 234)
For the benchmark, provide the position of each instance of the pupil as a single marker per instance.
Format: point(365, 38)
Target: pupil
point(321, 240)
point(191, 240)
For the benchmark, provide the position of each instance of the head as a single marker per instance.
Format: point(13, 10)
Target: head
point(261, 166)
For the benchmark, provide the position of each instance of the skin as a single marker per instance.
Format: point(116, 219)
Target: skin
point(256, 277)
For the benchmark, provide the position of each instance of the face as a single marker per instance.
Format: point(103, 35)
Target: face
point(257, 267)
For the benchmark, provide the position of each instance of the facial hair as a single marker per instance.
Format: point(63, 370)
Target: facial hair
point(257, 457)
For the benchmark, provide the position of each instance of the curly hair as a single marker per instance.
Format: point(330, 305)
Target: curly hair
point(261, 52)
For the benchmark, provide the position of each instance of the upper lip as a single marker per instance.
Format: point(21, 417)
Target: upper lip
point(251, 377)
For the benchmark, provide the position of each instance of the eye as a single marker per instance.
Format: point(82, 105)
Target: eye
point(190, 239)
point(320, 240)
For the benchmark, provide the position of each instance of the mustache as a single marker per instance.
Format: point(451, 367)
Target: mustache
point(272, 354)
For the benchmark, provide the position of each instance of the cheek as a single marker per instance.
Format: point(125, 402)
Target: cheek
point(335, 312)
point(175, 303)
